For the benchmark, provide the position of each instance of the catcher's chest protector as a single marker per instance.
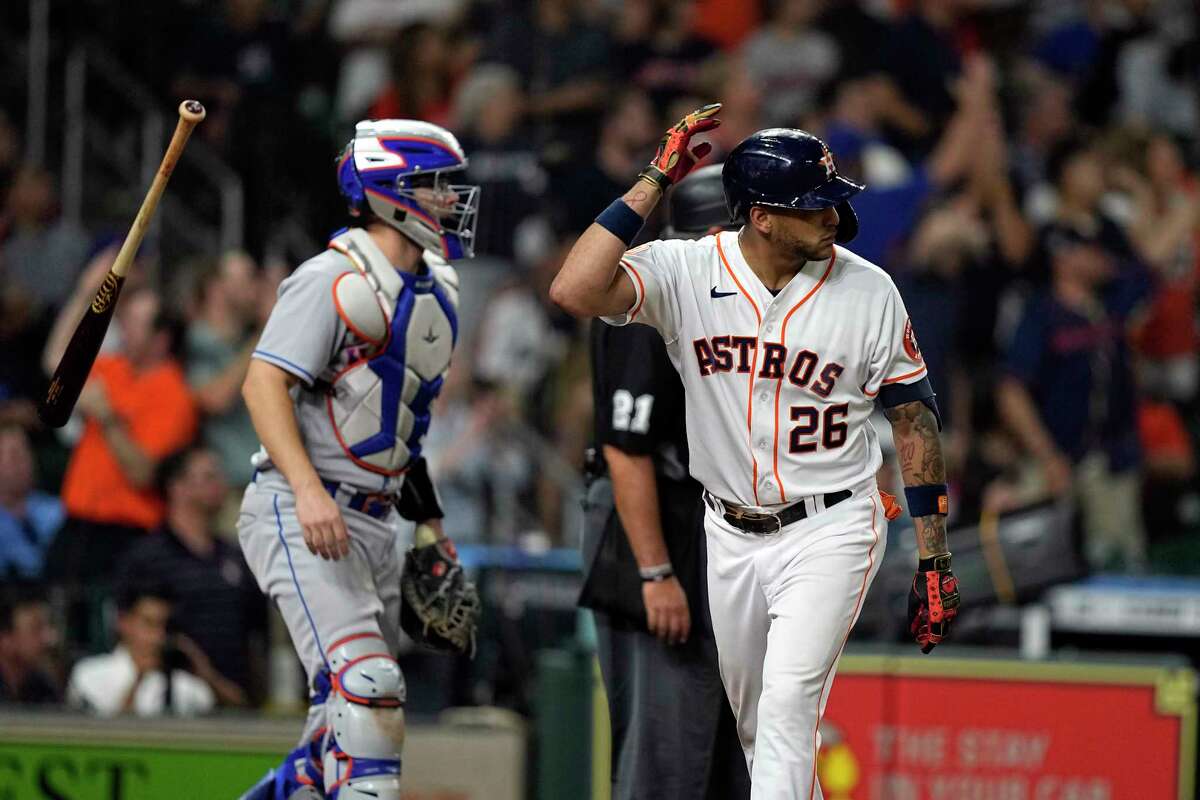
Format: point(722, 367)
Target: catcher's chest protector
point(403, 328)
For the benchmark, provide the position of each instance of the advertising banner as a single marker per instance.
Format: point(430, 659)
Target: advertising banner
point(962, 729)
point(57, 757)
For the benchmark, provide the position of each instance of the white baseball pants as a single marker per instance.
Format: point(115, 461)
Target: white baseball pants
point(782, 608)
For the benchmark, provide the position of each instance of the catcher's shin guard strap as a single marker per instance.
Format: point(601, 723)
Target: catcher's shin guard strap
point(362, 778)
point(418, 498)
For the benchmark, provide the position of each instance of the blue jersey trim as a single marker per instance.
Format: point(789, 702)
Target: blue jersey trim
point(296, 582)
point(290, 366)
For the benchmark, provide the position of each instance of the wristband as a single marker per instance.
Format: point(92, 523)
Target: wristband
point(621, 221)
point(937, 563)
point(932, 498)
point(656, 573)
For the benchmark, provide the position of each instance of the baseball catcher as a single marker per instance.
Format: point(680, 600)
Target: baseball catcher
point(340, 390)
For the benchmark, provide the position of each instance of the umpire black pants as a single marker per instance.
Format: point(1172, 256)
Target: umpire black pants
point(673, 732)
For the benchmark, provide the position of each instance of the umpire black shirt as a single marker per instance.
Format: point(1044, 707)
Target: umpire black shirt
point(639, 409)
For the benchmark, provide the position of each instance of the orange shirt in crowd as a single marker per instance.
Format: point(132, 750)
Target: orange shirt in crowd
point(726, 23)
point(1163, 433)
point(159, 415)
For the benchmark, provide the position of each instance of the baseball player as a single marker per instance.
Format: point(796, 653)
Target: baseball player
point(339, 389)
point(784, 340)
point(673, 735)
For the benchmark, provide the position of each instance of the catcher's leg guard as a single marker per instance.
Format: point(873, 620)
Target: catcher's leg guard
point(365, 715)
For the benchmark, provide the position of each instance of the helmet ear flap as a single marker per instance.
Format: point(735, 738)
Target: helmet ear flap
point(847, 227)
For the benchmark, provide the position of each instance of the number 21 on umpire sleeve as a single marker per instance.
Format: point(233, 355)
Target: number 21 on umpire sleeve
point(631, 414)
point(809, 420)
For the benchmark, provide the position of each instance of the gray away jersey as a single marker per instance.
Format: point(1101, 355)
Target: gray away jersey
point(347, 410)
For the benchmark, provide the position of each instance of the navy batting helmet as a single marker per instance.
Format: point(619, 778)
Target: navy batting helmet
point(697, 203)
point(788, 168)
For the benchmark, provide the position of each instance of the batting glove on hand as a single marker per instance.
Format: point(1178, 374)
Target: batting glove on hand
point(933, 601)
point(673, 159)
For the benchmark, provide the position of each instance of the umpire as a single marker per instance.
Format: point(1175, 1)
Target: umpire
point(673, 734)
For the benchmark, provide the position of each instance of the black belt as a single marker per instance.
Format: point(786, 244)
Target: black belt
point(771, 522)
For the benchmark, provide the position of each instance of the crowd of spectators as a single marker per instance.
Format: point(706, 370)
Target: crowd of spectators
point(1031, 173)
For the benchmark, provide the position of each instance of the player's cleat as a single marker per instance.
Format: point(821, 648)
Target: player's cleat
point(271, 787)
point(296, 778)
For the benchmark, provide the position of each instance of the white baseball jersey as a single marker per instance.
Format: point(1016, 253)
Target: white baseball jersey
point(779, 386)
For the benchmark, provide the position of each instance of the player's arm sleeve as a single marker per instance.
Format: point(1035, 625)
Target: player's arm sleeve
point(896, 373)
point(654, 269)
point(636, 370)
point(303, 330)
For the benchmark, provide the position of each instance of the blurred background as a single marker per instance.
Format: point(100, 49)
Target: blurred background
point(1031, 188)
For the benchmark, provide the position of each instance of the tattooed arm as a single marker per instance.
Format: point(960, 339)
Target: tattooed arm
point(915, 431)
point(589, 283)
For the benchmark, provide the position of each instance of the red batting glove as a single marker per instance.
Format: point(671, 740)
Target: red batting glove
point(673, 160)
point(933, 602)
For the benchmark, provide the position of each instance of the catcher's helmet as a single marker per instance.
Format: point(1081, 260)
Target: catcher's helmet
point(697, 203)
point(388, 162)
point(788, 168)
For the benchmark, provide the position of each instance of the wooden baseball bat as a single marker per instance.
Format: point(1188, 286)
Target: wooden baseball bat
point(72, 371)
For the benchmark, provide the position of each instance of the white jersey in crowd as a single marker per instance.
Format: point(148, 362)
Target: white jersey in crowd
point(779, 386)
point(100, 684)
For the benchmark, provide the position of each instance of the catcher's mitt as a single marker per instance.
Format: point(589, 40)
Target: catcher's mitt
point(932, 602)
point(439, 607)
